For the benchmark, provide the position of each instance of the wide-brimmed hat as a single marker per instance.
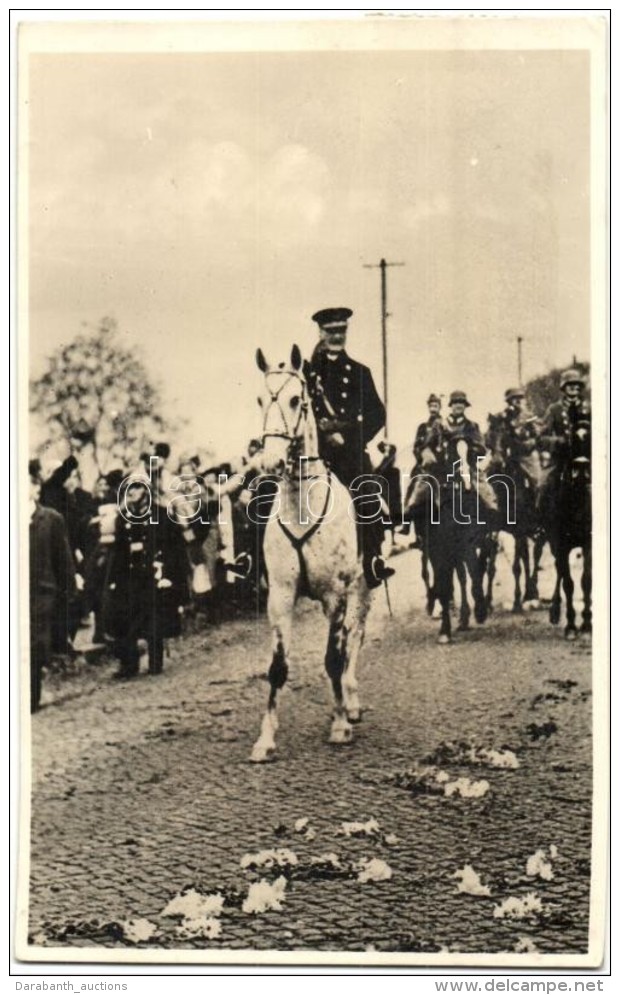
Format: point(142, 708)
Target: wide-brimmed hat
point(459, 397)
point(433, 399)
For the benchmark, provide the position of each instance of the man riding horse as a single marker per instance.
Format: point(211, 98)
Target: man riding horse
point(449, 441)
point(566, 422)
point(349, 413)
point(512, 437)
point(566, 499)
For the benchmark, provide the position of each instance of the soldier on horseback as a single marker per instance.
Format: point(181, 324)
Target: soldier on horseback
point(565, 433)
point(426, 452)
point(566, 500)
point(460, 441)
point(512, 437)
point(349, 413)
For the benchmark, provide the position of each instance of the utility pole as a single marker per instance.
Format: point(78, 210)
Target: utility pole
point(383, 265)
point(520, 359)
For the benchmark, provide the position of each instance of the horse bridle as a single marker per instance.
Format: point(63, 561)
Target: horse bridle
point(275, 399)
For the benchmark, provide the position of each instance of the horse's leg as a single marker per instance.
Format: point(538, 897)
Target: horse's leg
point(430, 589)
point(555, 609)
point(517, 605)
point(491, 568)
point(357, 612)
point(443, 588)
point(474, 566)
point(586, 587)
point(465, 612)
point(531, 585)
point(540, 540)
point(570, 630)
point(280, 611)
point(336, 658)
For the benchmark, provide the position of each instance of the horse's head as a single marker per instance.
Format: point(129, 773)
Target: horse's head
point(285, 408)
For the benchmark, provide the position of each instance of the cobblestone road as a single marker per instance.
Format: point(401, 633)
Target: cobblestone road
point(141, 790)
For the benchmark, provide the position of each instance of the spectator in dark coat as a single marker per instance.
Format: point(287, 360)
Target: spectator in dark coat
point(52, 581)
point(100, 540)
point(63, 493)
point(146, 584)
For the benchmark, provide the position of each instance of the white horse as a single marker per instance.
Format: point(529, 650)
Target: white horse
point(310, 547)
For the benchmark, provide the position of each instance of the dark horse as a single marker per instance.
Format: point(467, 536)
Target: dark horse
point(453, 542)
point(567, 510)
point(518, 515)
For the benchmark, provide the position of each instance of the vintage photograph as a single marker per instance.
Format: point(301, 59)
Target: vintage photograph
point(313, 434)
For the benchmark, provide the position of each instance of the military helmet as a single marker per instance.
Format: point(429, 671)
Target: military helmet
point(459, 397)
point(572, 376)
point(514, 392)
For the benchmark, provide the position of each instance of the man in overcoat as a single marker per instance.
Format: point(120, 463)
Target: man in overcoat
point(52, 580)
point(146, 583)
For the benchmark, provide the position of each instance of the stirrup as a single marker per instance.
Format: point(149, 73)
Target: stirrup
point(376, 571)
point(241, 566)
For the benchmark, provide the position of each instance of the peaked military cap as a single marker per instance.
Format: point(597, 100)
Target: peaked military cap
point(332, 317)
point(433, 399)
point(459, 397)
point(514, 392)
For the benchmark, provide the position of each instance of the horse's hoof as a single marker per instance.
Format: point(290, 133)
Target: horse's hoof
point(517, 608)
point(354, 716)
point(262, 754)
point(463, 627)
point(480, 614)
point(443, 639)
point(586, 629)
point(570, 635)
point(532, 605)
point(341, 736)
point(554, 615)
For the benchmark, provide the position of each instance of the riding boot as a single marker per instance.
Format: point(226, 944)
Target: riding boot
point(375, 568)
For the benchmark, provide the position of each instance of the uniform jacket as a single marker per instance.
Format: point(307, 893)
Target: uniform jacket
point(565, 427)
point(358, 412)
point(445, 434)
point(512, 435)
point(423, 436)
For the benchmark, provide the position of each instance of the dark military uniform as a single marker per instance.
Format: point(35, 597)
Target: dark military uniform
point(146, 585)
point(565, 435)
point(349, 413)
point(345, 401)
point(560, 432)
point(445, 435)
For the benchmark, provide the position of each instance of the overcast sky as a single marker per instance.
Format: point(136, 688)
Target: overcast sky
point(213, 202)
